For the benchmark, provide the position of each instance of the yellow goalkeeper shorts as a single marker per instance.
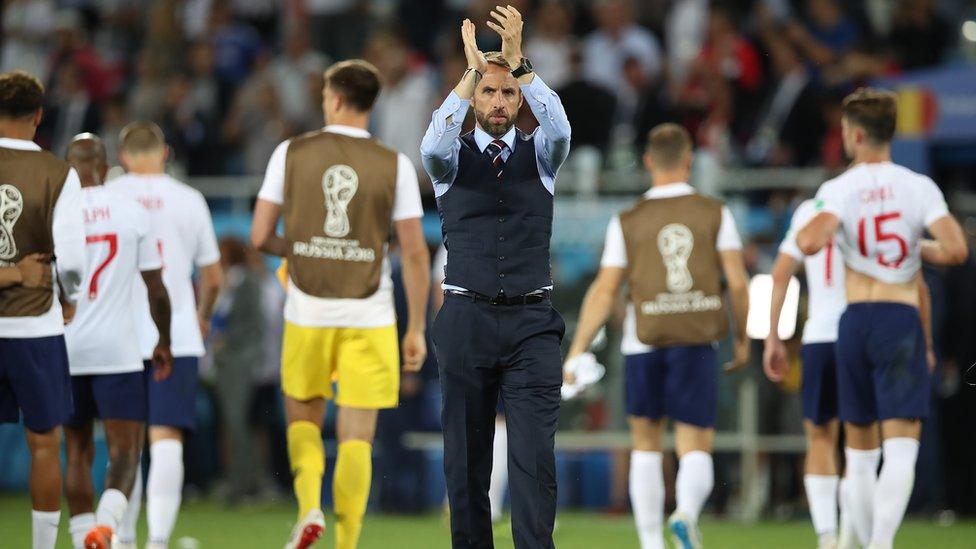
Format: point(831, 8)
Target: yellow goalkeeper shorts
point(364, 364)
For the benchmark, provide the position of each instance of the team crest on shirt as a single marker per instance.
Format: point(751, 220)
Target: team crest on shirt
point(11, 206)
point(339, 184)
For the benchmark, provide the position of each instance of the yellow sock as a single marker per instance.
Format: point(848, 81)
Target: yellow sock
point(350, 489)
point(307, 456)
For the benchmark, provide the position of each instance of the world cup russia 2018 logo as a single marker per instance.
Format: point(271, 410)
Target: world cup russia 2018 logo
point(675, 242)
point(339, 184)
point(11, 206)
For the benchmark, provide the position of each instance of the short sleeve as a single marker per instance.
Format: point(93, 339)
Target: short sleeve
point(207, 252)
point(933, 202)
point(406, 203)
point(148, 247)
point(273, 188)
point(830, 199)
point(728, 235)
point(800, 218)
point(614, 249)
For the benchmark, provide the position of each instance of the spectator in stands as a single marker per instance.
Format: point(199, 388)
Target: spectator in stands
point(616, 38)
point(290, 70)
point(790, 124)
point(69, 110)
point(27, 27)
point(337, 28)
point(145, 97)
point(236, 45)
point(551, 42)
point(684, 29)
point(920, 35)
point(256, 123)
point(261, 15)
point(401, 112)
point(71, 46)
point(826, 34)
point(589, 107)
point(192, 135)
point(208, 95)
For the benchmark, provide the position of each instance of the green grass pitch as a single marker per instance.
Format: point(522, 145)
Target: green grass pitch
point(261, 527)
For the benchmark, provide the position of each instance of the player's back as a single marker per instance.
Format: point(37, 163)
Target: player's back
point(103, 338)
point(883, 209)
point(184, 231)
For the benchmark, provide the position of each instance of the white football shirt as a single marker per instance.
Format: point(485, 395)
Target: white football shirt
point(185, 236)
point(370, 312)
point(825, 279)
point(104, 338)
point(615, 255)
point(884, 210)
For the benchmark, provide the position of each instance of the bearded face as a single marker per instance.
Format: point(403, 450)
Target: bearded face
point(496, 101)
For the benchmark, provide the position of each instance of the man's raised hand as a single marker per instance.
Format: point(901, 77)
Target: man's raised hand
point(476, 59)
point(509, 27)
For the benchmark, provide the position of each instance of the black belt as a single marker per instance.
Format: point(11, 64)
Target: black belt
point(525, 299)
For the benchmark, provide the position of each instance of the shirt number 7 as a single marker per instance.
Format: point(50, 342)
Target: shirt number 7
point(113, 247)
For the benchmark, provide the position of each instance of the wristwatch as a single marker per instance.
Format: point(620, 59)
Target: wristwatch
point(524, 68)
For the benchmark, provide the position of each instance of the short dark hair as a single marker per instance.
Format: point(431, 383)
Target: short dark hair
point(140, 137)
point(357, 81)
point(667, 144)
point(21, 94)
point(873, 110)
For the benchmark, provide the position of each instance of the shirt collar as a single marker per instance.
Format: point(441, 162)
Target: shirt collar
point(347, 130)
point(483, 139)
point(670, 190)
point(20, 144)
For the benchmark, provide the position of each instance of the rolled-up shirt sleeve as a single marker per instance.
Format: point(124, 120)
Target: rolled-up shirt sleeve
point(439, 147)
point(552, 144)
point(68, 232)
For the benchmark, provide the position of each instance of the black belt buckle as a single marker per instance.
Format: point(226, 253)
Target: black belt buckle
point(498, 300)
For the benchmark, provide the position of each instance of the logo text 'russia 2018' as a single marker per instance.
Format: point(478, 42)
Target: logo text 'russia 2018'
point(675, 242)
point(339, 183)
point(11, 206)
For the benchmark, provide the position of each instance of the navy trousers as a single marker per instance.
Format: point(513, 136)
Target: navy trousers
point(484, 351)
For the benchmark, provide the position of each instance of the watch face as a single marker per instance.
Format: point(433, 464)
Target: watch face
point(526, 64)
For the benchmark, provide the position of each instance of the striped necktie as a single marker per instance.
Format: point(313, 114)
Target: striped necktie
point(496, 151)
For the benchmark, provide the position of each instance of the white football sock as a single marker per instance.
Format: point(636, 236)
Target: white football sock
point(694, 483)
point(499, 471)
point(44, 528)
point(111, 508)
point(647, 497)
point(893, 489)
point(822, 499)
point(127, 526)
point(846, 535)
point(78, 527)
point(164, 488)
point(862, 474)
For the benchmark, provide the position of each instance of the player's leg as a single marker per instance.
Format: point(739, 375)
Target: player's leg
point(78, 487)
point(819, 397)
point(172, 407)
point(306, 371)
point(80, 451)
point(37, 378)
point(644, 398)
point(124, 438)
point(368, 380)
point(858, 411)
point(127, 527)
point(692, 404)
point(902, 385)
point(499, 468)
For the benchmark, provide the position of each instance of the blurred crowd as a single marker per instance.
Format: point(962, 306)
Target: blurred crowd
point(757, 81)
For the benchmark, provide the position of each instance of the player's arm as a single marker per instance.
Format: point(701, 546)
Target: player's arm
point(775, 362)
point(211, 281)
point(264, 235)
point(33, 271)
point(734, 268)
point(161, 312)
point(68, 232)
point(416, 284)
point(948, 243)
point(816, 234)
point(597, 306)
point(925, 317)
